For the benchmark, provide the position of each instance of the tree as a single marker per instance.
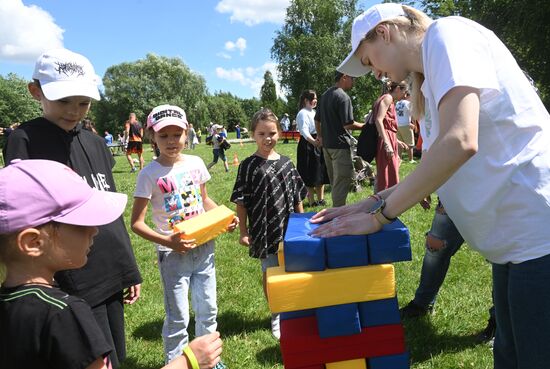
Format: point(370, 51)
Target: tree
point(16, 103)
point(522, 26)
point(226, 109)
point(268, 92)
point(140, 86)
point(250, 107)
point(314, 39)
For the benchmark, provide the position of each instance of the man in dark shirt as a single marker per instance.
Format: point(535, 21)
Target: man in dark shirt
point(333, 122)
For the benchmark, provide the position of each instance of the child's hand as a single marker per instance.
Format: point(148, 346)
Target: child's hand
point(176, 243)
point(244, 240)
point(233, 225)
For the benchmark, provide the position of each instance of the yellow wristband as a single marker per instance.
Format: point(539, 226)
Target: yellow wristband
point(191, 357)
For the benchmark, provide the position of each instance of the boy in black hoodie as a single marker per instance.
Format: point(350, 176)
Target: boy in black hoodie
point(65, 84)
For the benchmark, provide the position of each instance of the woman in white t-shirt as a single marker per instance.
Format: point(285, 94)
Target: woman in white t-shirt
point(488, 158)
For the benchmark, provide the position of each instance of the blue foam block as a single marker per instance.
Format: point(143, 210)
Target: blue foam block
point(338, 320)
point(302, 252)
point(379, 312)
point(347, 251)
point(390, 245)
point(297, 314)
point(400, 361)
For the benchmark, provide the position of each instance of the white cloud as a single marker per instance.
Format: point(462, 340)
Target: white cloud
point(26, 31)
point(240, 45)
point(224, 55)
point(252, 77)
point(252, 12)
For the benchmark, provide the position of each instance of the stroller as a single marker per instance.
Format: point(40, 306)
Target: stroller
point(364, 172)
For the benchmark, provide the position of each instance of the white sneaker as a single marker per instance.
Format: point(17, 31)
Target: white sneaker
point(275, 326)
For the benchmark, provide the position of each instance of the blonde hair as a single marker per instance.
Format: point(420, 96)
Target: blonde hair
point(414, 23)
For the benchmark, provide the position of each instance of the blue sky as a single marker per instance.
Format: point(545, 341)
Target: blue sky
point(228, 42)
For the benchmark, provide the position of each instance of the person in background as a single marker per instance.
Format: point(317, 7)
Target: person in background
point(217, 150)
point(191, 138)
point(87, 124)
point(387, 154)
point(238, 131)
point(133, 135)
point(487, 157)
point(333, 123)
point(65, 83)
point(175, 186)
point(405, 126)
point(310, 161)
point(108, 138)
point(285, 122)
point(267, 190)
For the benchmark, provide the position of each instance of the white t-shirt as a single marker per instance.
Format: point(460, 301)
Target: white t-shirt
point(305, 121)
point(403, 112)
point(499, 199)
point(174, 192)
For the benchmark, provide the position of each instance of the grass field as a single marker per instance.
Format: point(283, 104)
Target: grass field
point(444, 340)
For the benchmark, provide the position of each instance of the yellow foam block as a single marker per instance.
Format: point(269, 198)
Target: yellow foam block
point(348, 364)
point(307, 290)
point(281, 255)
point(206, 226)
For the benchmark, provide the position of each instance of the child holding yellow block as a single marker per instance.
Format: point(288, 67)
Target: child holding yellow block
point(175, 185)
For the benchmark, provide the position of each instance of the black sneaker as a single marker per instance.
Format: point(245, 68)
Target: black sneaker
point(488, 334)
point(413, 310)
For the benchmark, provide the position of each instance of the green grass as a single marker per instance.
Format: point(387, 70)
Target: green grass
point(443, 340)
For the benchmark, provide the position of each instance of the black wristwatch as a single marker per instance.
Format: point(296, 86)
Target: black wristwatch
point(377, 211)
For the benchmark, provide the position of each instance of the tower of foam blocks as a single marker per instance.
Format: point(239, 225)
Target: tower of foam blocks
point(337, 298)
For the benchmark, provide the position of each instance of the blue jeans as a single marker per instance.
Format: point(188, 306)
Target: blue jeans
point(179, 272)
point(436, 261)
point(522, 307)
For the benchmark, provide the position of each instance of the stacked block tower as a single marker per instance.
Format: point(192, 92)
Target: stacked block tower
point(337, 298)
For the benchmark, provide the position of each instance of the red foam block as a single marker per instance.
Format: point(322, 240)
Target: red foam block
point(301, 345)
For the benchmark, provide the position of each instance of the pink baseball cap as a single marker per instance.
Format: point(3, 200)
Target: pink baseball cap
point(166, 115)
point(36, 192)
point(362, 24)
point(64, 73)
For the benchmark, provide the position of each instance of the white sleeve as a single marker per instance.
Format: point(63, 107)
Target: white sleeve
point(456, 52)
point(144, 185)
point(303, 128)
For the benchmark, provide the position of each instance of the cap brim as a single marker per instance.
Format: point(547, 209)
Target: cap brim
point(169, 122)
point(353, 67)
point(61, 89)
point(103, 207)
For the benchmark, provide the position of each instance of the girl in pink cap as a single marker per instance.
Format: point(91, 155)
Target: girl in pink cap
point(48, 220)
point(175, 186)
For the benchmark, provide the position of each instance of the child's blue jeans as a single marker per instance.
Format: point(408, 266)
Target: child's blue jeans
point(522, 308)
point(194, 270)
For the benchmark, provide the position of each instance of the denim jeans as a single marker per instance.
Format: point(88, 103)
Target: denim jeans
point(196, 271)
point(522, 307)
point(436, 261)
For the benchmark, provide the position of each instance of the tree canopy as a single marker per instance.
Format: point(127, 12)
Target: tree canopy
point(312, 42)
point(522, 26)
point(16, 103)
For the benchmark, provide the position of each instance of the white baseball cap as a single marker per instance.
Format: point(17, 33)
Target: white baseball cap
point(362, 24)
point(166, 115)
point(63, 73)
